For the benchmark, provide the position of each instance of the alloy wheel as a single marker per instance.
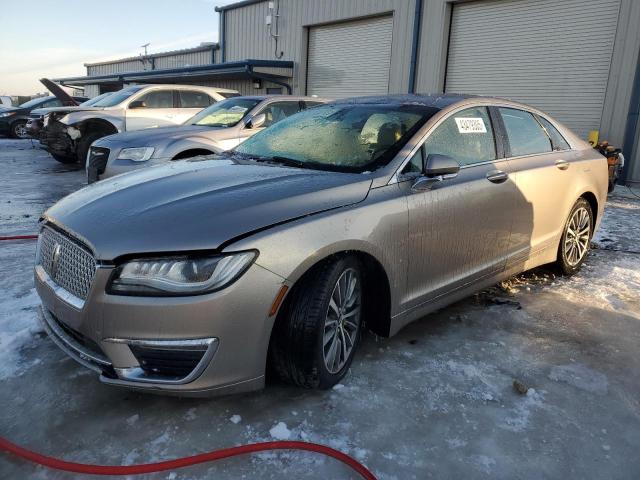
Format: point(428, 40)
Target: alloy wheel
point(20, 130)
point(342, 321)
point(577, 236)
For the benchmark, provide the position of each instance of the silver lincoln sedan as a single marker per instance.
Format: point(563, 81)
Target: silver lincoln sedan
point(194, 277)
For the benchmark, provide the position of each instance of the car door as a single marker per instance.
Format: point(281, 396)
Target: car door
point(191, 102)
point(459, 229)
point(274, 112)
point(541, 169)
point(151, 110)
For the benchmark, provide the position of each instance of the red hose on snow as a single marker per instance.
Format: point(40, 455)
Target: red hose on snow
point(58, 464)
point(19, 237)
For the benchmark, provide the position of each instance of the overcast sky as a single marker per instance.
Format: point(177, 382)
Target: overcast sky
point(47, 38)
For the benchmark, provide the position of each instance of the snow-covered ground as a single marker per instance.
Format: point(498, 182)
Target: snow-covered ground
point(435, 401)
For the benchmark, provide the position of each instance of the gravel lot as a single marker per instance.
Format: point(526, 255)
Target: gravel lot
point(436, 401)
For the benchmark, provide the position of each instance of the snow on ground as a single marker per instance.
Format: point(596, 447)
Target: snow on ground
point(435, 401)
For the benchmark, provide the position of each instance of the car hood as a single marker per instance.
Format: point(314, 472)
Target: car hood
point(197, 204)
point(8, 109)
point(155, 136)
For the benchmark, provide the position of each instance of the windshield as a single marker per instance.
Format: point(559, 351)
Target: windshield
point(117, 97)
point(226, 113)
point(35, 101)
point(94, 100)
point(340, 137)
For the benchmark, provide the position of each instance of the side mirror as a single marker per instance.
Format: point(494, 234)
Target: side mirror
point(138, 104)
point(435, 169)
point(256, 121)
point(437, 165)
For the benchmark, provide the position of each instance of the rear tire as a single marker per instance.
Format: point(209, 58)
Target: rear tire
point(84, 144)
point(576, 238)
point(612, 186)
point(19, 129)
point(63, 159)
point(318, 332)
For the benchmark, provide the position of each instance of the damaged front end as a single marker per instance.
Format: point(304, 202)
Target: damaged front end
point(58, 138)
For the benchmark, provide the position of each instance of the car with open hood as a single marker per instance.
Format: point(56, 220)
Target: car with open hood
point(219, 127)
point(68, 133)
point(195, 277)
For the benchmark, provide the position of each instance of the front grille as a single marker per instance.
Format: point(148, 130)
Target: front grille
point(175, 363)
point(68, 263)
point(96, 163)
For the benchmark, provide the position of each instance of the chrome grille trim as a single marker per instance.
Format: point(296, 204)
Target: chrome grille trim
point(72, 268)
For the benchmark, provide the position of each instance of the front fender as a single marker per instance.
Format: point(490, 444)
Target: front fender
point(376, 226)
point(115, 118)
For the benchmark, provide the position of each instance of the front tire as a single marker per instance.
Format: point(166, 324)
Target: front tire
point(19, 129)
point(314, 341)
point(84, 144)
point(63, 158)
point(576, 238)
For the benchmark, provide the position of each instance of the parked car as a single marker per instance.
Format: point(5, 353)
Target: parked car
point(193, 276)
point(217, 128)
point(13, 120)
point(68, 133)
point(36, 117)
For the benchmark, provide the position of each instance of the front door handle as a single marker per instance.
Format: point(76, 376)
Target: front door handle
point(562, 164)
point(497, 176)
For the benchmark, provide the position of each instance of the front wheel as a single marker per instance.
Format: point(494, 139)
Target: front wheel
point(314, 342)
point(63, 158)
point(19, 129)
point(83, 146)
point(576, 238)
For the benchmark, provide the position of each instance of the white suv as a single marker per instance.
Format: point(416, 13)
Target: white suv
point(68, 132)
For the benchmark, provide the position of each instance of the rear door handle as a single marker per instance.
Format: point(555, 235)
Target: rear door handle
point(562, 164)
point(497, 176)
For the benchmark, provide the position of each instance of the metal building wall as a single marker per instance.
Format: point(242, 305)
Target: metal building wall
point(91, 91)
point(116, 67)
point(246, 32)
point(184, 59)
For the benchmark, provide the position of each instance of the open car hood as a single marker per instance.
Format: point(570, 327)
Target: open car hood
point(66, 99)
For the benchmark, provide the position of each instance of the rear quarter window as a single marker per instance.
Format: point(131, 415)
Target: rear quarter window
point(526, 135)
point(558, 141)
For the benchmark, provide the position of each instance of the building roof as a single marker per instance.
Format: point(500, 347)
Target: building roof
point(238, 69)
point(200, 48)
point(232, 6)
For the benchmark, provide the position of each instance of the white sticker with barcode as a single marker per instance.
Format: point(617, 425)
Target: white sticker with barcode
point(470, 125)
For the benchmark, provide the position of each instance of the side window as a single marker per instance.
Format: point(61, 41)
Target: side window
point(279, 110)
point(158, 99)
point(52, 103)
point(194, 99)
point(465, 136)
point(526, 136)
point(559, 143)
point(415, 164)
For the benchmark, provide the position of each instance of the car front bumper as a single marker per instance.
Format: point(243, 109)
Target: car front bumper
point(5, 127)
point(229, 329)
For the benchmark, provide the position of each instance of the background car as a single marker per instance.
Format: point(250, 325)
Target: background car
point(68, 133)
point(13, 120)
point(191, 277)
point(36, 116)
point(218, 127)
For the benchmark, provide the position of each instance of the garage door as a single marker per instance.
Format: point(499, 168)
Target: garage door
point(552, 55)
point(349, 59)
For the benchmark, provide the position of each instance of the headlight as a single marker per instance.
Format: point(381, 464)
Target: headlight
point(138, 154)
point(7, 114)
point(171, 276)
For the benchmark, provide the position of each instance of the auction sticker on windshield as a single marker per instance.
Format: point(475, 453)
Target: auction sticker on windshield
point(470, 125)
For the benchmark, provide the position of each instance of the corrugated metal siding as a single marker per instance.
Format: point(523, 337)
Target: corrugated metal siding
point(91, 91)
point(116, 67)
point(244, 86)
point(247, 34)
point(183, 60)
point(552, 55)
point(350, 59)
point(634, 157)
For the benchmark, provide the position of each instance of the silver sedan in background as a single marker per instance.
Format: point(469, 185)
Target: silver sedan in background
point(220, 127)
point(191, 278)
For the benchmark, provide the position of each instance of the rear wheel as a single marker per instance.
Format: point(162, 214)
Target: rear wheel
point(64, 158)
point(314, 342)
point(19, 129)
point(576, 238)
